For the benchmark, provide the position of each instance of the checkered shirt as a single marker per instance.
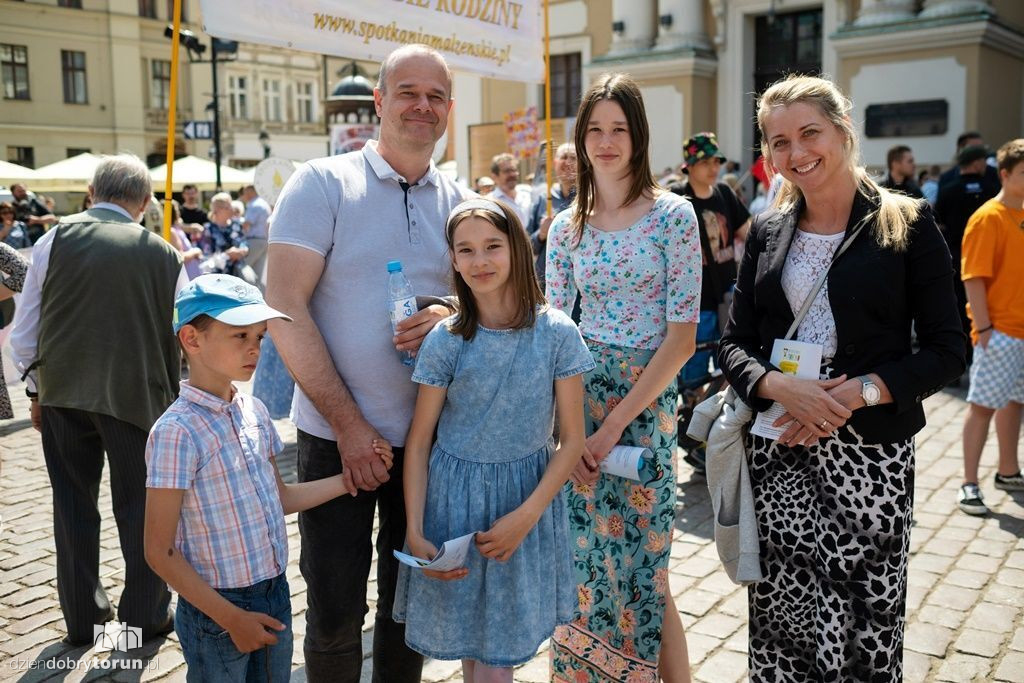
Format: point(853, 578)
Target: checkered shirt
point(232, 528)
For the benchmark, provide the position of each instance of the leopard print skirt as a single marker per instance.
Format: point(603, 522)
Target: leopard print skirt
point(834, 522)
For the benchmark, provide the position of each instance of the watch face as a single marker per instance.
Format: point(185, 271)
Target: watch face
point(871, 394)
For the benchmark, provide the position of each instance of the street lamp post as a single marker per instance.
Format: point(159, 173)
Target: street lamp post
point(216, 111)
point(264, 139)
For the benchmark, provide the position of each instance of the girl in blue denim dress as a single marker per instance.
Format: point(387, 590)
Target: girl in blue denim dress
point(490, 378)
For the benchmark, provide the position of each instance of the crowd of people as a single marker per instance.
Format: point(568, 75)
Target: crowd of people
point(549, 330)
point(25, 218)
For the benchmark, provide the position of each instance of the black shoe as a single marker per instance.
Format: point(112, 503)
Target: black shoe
point(83, 640)
point(1011, 482)
point(696, 457)
point(76, 642)
point(160, 630)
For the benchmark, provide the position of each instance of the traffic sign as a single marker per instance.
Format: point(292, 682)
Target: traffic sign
point(198, 130)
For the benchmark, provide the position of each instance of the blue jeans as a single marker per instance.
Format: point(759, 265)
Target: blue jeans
point(697, 367)
point(212, 656)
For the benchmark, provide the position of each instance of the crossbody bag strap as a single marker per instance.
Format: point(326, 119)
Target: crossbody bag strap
point(824, 274)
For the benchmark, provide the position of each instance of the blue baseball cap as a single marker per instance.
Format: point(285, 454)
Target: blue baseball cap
point(226, 298)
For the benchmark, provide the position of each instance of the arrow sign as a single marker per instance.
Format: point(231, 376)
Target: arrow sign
point(198, 130)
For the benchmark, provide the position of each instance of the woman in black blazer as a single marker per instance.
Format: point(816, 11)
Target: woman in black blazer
point(834, 494)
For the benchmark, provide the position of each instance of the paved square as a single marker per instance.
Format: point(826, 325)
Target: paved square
point(965, 601)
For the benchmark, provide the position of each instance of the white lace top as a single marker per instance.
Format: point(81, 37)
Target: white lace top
point(808, 255)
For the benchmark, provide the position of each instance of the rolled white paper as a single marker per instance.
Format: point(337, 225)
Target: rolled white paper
point(625, 461)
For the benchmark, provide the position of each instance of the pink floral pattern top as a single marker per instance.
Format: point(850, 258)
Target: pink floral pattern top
point(632, 282)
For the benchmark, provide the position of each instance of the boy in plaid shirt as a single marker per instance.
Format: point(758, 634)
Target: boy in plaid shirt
point(215, 503)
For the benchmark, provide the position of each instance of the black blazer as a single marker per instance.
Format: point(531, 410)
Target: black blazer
point(876, 293)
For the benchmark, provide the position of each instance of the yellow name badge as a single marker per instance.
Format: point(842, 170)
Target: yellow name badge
point(790, 361)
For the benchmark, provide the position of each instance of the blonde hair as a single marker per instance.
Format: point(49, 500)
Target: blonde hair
point(221, 200)
point(895, 212)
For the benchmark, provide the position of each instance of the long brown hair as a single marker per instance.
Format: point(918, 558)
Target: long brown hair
point(895, 211)
point(521, 274)
point(623, 90)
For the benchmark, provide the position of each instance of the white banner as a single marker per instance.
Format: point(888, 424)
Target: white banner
point(498, 38)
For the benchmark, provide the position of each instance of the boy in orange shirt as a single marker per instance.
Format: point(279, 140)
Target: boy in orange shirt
point(992, 270)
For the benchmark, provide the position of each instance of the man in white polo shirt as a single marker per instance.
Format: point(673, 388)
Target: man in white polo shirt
point(337, 223)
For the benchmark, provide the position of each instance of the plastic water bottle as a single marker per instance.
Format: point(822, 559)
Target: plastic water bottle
point(401, 302)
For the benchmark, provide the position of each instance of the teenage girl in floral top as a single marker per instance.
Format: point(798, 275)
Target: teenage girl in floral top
point(633, 252)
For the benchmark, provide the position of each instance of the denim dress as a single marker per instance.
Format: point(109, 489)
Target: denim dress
point(493, 446)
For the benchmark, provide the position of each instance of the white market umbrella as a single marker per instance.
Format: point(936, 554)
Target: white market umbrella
point(13, 173)
point(70, 175)
point(199, 172)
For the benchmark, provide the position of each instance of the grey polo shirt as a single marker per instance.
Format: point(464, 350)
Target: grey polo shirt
point(352, 210)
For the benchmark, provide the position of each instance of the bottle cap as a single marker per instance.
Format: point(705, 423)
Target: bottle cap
point(394, 266)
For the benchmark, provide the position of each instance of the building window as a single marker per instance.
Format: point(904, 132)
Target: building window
point(271, 100)
point(906, 119)
point(147, 8)
point(75, 151)
point(304, 111)
point(74, 4)
point(73, 65)
point(160, 84)
point(784, 43)
point(170, 10)
point(23, 156)
point(566, 85)
point(238, 96)
point(789, 42)
point(14, 69)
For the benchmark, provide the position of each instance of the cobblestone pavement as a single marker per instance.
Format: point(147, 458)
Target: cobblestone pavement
point(965, 602)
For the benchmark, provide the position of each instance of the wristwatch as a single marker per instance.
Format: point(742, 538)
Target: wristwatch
point(869, 391)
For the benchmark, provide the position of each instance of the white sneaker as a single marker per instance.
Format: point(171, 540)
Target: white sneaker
point(970, 500)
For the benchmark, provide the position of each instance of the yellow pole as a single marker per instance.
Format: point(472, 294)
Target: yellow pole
point(172, 109)
point(548, 167)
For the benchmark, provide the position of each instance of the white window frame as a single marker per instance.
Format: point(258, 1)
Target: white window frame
point(273, 109)
point(305, 102)
point(238, 96)
point(159, 89)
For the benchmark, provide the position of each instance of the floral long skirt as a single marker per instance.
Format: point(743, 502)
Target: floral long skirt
point(621, 530)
